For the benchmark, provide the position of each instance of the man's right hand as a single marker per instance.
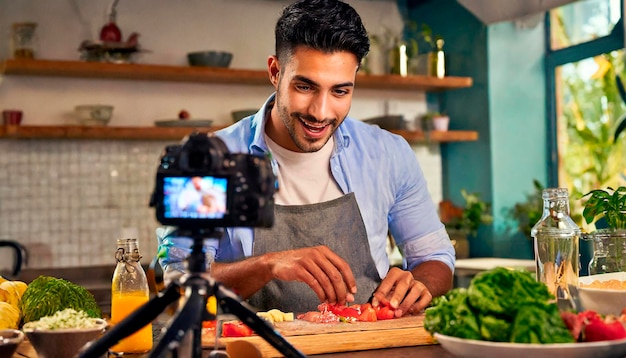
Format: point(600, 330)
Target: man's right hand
point(325, 272)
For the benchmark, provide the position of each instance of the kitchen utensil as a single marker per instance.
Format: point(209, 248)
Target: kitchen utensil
point(20, 256)
point(210, 58)
point(317, 338)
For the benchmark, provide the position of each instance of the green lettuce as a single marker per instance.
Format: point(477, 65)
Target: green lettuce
point(500, 305)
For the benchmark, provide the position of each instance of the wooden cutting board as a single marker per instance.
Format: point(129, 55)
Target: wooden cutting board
point(318, 338)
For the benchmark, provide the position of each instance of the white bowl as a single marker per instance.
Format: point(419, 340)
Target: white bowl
point(603, 300)
point(94, 114)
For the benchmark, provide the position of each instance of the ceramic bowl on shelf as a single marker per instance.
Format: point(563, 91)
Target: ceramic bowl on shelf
point(210, 58)
point(9, 340)
point(94, 114)
point(243, 113)
point(604, 293)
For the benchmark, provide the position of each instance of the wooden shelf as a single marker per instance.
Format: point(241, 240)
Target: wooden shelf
point(177, 133)
point(437, 136)
point(103, 70)
point(94, 132)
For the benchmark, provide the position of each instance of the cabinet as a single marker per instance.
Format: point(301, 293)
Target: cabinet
point(98, 70)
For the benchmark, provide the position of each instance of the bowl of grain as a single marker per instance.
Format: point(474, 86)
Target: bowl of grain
point(604, 293)
point(64, 333)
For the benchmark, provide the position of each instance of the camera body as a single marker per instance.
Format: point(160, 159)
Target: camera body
point(201, 185)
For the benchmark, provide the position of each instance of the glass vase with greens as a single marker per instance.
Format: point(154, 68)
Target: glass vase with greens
point(609, 243)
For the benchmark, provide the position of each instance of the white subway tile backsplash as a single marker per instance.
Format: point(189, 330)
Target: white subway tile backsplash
point(68, 201)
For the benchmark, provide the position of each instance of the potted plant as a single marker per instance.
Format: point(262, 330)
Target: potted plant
point(609, 204)
point(608, 243)
point(528, 212)
point(464, 221)
point(434, 121)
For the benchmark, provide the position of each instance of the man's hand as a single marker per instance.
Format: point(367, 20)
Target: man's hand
point(325, 272)
point(402, 292)
point(411, 292)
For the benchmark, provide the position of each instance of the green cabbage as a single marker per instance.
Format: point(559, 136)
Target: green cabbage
point(47, 295)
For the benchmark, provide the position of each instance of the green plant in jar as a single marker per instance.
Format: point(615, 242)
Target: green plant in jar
point(609, 204)
point(609, 244)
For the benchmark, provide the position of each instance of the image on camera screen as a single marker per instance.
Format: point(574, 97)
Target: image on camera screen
point(197, 197)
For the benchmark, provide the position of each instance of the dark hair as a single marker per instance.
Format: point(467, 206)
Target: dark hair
point(324, 25)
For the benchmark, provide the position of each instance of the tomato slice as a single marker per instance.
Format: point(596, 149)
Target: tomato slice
point(368, 313)
point(384, 311)
point(236, 329)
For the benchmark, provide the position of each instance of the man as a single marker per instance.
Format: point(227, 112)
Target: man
point(343, 185)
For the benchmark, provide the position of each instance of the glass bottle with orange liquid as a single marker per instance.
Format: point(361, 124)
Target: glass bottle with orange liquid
point(129, 291)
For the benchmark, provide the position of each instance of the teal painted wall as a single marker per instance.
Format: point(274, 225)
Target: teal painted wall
point(506, 105)
point(517, 102)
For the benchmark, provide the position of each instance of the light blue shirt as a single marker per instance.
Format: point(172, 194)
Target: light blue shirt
point(379, 167)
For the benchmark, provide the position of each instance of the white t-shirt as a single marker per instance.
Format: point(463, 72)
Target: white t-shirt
point(304, 178)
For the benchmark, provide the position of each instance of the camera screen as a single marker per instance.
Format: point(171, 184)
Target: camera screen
point(197, 197)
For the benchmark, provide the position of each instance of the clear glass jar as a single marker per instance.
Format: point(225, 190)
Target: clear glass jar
point(556, 239)
point(24, 40)
point(129, 291)
point(609, 251)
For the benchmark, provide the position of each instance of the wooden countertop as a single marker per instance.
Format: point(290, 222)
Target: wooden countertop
point(25, 350)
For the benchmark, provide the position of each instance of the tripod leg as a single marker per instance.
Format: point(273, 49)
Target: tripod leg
point(231, 303)
point(138, 319)
point(189, 317)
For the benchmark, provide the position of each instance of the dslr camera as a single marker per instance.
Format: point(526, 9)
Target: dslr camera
point(201, 185)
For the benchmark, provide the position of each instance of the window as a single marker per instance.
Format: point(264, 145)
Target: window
point(585, 54)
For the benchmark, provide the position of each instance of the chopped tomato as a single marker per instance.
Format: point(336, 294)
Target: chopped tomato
point(368, 313)
point(344, 311)
point(590, 326)
point(384, 311)
point(236, 329)
point(229, 329)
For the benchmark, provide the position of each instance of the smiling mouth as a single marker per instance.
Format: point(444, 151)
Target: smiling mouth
point(315, 128)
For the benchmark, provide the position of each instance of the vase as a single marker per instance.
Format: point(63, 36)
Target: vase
point(609, 251)
point(460, 243)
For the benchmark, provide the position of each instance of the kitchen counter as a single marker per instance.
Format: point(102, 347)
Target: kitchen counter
point(429, 351)
point(466, 269)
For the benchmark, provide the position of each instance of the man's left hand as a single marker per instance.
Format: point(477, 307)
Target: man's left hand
point(402, 292)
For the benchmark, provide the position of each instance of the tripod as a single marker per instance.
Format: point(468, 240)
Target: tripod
point(198, 285)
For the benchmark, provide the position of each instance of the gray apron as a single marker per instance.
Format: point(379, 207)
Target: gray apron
point(337, 224)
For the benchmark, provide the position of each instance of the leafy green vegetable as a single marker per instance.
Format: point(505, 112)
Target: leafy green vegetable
point(501, 291)
point(46, 295)
point(496, 329)
point(540, 323)
point(500, 305)
point(453, 316)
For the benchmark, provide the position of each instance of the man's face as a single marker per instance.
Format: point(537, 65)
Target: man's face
point(313, 96)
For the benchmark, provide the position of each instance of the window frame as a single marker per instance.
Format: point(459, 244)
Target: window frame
point(555, 58)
